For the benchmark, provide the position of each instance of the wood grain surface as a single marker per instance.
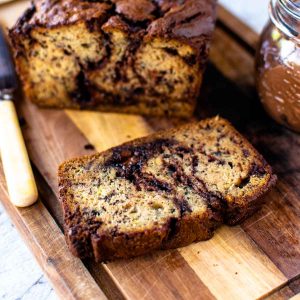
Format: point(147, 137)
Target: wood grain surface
point(46, 240)
point(258, 259)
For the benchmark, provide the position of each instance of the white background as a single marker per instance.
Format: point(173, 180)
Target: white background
point(20, 276)
point(252, 12)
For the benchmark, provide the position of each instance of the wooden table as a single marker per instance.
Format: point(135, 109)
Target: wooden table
point(258, 259)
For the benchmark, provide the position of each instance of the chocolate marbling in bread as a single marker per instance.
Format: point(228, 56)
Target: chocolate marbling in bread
point(131, 56)
point(163, 191)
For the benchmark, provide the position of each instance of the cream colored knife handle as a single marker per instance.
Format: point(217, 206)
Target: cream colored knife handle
point(17, 169)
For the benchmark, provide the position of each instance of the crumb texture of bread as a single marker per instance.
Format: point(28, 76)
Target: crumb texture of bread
point(160, 192)
point(131, 56)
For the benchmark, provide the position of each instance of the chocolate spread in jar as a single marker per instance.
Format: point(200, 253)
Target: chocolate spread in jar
point(278, 79)
point(279, 89)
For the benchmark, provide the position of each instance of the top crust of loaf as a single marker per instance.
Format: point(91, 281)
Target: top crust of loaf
point(185, 182)
point(190, 21)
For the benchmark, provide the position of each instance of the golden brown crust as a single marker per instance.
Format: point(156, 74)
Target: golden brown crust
point(176, 232)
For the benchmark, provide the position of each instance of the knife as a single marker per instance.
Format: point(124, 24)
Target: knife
point(18, 173)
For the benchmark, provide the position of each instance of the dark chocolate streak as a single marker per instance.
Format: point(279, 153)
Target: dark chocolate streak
point(214, 201)
point(129, 160)
point(128, 59)
point(190, 60)
point(83, 245)
point(81, 94)
point(182, 205)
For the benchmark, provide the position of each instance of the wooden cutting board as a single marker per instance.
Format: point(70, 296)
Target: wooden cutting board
point(258, 259)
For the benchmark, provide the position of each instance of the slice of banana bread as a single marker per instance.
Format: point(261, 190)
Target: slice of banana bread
point(131, 56)
point(163, 191)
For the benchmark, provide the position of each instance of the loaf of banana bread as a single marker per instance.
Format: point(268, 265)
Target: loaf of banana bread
point(163, 191)
point(131, 56)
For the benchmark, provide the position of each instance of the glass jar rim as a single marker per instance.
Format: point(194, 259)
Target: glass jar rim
point(291, 7)
point(285, 14)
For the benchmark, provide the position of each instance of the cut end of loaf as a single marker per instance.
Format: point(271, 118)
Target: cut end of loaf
point(163, 191)
point(143, 57)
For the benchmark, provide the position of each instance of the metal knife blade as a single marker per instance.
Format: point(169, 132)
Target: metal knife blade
point(8, 78)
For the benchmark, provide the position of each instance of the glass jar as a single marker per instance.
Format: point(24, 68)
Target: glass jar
point(278, 63)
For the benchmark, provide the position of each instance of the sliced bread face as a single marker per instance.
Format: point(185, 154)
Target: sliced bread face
point(129, 56)
point(163, 191)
